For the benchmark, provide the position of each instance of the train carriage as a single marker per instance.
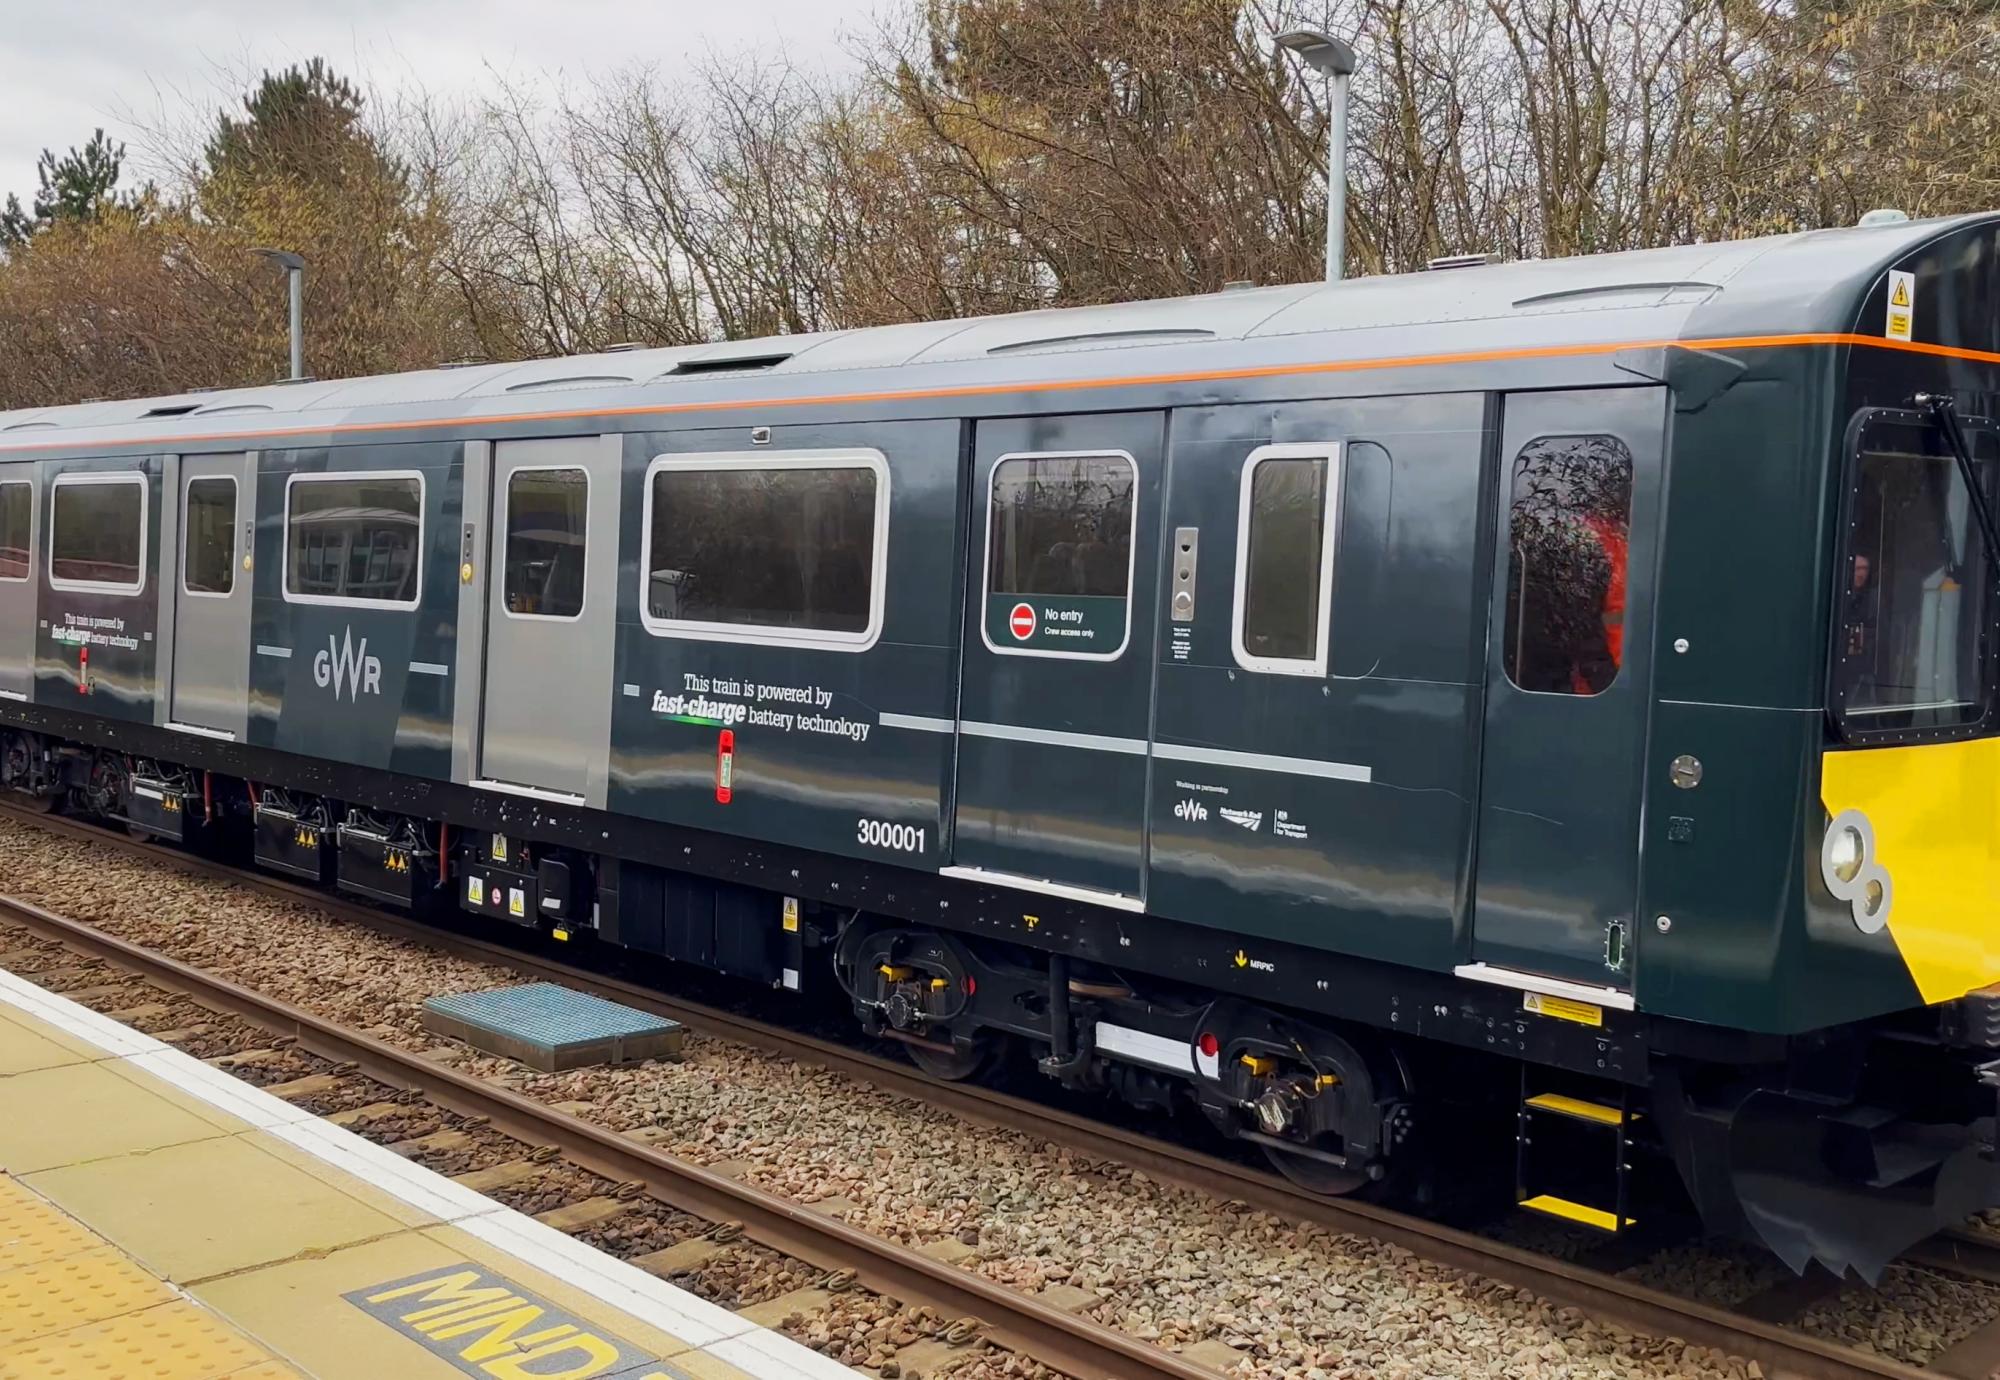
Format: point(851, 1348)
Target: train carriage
point(1562, 690)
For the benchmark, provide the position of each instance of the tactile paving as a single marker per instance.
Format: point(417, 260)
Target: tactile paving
point(87, 1287)
point(32, 1232)
point(174, 1341)
point(551, 1027)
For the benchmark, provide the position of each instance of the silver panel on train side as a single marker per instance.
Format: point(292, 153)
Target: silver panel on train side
point(546, 714)
point(207, 644)
point(17, 583)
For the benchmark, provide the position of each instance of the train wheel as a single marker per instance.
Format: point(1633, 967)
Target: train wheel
point(1315, 1175)
point(987, 1049)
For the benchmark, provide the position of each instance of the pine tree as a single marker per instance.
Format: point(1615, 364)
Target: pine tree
point(80, 185)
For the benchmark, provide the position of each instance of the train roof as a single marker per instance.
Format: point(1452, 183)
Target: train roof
point(1800, 283)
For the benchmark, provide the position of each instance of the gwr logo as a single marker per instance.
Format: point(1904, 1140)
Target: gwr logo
point(347, 668)
point(485, 1326)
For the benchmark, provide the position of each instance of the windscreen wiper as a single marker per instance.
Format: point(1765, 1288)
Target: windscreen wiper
point(1944, 411)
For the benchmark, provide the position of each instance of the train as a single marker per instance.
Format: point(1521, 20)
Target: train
point(1554, 692)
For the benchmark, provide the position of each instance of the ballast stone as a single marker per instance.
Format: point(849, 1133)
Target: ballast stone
point(552, 1028)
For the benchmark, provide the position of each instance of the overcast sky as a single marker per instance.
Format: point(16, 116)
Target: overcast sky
point(69, 66)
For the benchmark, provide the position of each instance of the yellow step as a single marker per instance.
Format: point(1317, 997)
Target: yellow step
point(1550, 1205)
point(1576, 1107)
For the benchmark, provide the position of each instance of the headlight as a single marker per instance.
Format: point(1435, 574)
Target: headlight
point(1852, 872)
point(1844, 852)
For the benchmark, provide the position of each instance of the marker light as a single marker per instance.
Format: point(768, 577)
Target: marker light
point(1208, 1044)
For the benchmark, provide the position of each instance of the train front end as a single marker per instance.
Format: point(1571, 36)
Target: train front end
point(1868, 1122)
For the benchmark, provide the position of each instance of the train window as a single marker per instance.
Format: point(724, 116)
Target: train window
point(97, 533)
point(354, 538)
point(545, 542)
point(1910, 651)
point(1286, 521)
point(17, 525)
point(1569, 521)
point(208, 551)
point(1059, 555)
point(764, 548)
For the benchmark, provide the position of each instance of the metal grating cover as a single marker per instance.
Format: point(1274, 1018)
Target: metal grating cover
point(545, 1013)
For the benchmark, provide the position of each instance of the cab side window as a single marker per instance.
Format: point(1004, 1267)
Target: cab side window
point(1912, 652)
point(1569, 521)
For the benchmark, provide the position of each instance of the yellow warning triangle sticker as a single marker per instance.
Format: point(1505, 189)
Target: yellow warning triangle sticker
point(1901, 296)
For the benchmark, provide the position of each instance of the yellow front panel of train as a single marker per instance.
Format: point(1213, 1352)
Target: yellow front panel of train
point(1934, 811)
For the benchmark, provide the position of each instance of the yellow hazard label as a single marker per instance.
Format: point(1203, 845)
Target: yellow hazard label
point(517, 904)
point(791, 915)
point(1901, 320)
point(1562, 1008)
point(499, 848)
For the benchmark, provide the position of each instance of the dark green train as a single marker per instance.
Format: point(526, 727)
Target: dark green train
point(1551, 695)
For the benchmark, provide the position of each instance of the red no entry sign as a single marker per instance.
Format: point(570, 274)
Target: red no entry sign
point(1022, 622)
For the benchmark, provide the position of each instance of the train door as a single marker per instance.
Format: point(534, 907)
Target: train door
point(551, 613)
point(1566, 685)
point(1055, 702)
point(210, 595)
point(17, 581)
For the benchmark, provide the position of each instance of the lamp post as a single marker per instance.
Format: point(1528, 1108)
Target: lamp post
point(1335, 61)
point(295, 275)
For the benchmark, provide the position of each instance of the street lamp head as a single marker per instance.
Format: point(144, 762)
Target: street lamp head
point(283, 258)
point(1333, 60)
point(1322, 52)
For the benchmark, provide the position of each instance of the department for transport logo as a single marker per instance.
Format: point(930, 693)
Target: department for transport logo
point(347, 668)
point(490, 1327)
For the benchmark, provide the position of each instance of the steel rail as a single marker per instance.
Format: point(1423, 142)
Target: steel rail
point(1072, 1344)
point(1601, 1296)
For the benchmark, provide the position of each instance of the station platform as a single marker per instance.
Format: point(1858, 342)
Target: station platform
point(162, 1220)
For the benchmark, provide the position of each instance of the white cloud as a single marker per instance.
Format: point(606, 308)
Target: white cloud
point(68, 68)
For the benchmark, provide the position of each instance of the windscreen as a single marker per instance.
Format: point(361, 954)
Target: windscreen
point(1915, 598)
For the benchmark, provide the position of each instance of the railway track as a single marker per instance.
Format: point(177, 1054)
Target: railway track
point(1062, 1340)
